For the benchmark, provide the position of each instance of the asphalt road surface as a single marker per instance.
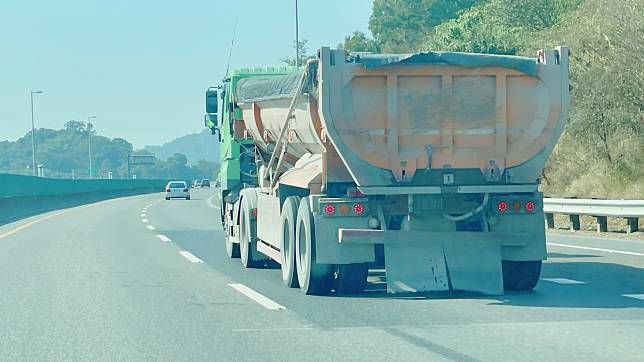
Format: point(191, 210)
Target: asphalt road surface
point(141, 278)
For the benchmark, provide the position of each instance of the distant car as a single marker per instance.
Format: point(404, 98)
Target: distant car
point(205, 183)
point(177, 190)
point(196, 183)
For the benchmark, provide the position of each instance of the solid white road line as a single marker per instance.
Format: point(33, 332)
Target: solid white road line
point(163, 237)
point(209, 202)
point(563, 281)
point(267, 303)
point(188, 255)
point(636, 296)
point(150, 227)
point(145, 220)
point(596, 249)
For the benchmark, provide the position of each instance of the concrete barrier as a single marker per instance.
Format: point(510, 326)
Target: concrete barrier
point(24, 196)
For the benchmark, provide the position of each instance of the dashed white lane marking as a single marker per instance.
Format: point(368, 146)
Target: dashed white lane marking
point(163, 237)
point(209, 202)
point(145, 220)
point(272, 329)
point(144, 215)
point(150, 227)
point(188, 255)
point(563, 281)
point(267, 303)
point(636, 296)
point(597, 249)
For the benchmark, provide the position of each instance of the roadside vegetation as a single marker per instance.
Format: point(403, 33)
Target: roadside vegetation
point(601, 153)
point(64, 154)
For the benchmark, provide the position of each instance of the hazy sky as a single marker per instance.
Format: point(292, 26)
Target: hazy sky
point(141, 66)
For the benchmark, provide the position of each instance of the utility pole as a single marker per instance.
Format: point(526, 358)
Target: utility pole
point(89, 142)
point(33, 137)
point(297, 37)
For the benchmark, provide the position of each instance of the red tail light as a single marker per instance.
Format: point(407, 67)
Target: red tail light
point(502, 206)
point(329, 209)
point(167, 190)
point(254, 212)
point(530, 206)
point(358, 208)
point(185, 190)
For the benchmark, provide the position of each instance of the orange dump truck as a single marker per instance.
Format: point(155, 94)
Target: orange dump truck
point(425, 164)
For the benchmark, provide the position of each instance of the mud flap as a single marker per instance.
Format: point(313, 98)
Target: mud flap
point(441, 266)
point(415, 268)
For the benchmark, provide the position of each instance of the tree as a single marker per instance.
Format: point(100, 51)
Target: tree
point(401, 26)
point(359, 42)
point(302, 54)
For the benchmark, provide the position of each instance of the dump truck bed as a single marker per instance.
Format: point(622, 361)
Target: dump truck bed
point(389, 116)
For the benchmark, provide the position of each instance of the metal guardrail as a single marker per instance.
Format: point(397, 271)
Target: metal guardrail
point(631, 210)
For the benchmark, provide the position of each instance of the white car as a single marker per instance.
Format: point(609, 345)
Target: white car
point(177, 189)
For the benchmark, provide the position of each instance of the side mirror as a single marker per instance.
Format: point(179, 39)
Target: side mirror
point(210, 121)
point(211, 101)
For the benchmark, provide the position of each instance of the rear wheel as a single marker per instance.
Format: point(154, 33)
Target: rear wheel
point(250, 257)
point(351, 278)
point(287, 246)
point(521, 275)
point(314, 278)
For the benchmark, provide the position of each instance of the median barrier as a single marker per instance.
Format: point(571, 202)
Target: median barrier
point(24, 196)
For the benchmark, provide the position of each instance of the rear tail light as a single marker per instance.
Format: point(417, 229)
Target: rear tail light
point(358, 209)
point(329, 209)
point(530, 206)
point(344, 209)
point(167, 190)
point(502, 206)
point(185, 190)
point(254, 212)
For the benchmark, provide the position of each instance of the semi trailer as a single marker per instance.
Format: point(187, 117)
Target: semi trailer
point(426, 164)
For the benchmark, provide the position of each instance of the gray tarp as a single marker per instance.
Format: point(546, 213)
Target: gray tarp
point(470, 60)
point(271, 87)
point(257, 88)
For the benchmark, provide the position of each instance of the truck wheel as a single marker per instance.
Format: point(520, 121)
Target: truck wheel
point(314, 278)
point(287, 248)
point(250, 257)
point(351, 278)
point(521, 275)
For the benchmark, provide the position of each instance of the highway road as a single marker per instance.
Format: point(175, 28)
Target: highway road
point(141, 278)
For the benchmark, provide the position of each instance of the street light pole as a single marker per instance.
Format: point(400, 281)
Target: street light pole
point(33, 137)
point(297, 37)
point(89, 142)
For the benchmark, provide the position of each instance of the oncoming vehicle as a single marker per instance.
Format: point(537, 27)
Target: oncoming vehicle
point(177, 190)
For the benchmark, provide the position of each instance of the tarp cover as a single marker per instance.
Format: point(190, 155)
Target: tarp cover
point(271, 87)
point(257, 88)
point(470, 60)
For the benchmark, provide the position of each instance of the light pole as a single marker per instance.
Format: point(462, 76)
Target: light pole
point(297, 37)
point(89, 142)
point(33, 138)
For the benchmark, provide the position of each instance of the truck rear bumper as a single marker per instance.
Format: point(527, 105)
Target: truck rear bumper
point(406, 237)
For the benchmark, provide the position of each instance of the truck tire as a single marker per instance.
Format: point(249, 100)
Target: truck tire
point(250, 257)
point(521, 275)
point(287, 245)
point(314, 278)
point(351, 278)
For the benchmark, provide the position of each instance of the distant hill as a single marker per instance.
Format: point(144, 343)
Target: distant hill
point(196, 147)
